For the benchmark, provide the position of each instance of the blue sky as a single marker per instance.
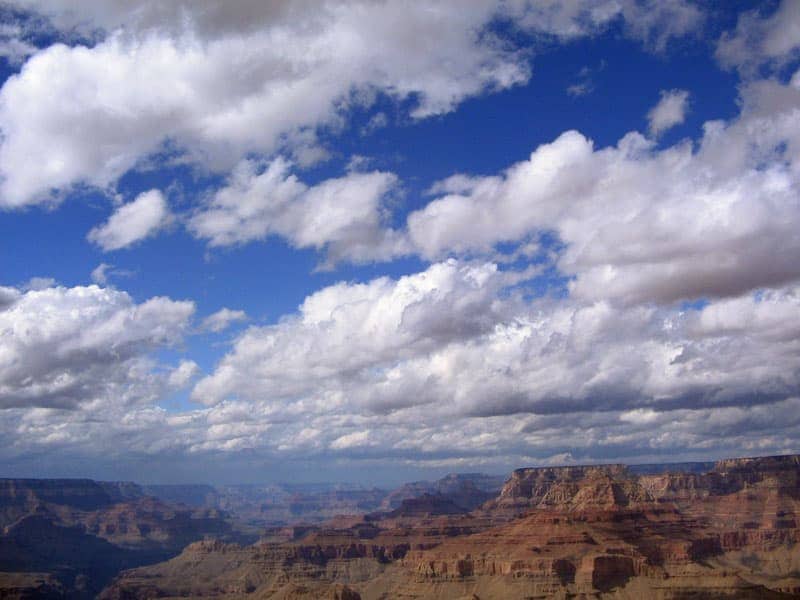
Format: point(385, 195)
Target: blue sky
point(440, 238)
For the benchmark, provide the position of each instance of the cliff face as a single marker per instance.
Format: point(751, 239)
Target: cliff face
point(597, 531)
point(571, 488)
point(760, 465)
point(80, 533)
point(610, 486)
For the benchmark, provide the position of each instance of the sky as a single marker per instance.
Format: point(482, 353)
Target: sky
point(376, 241)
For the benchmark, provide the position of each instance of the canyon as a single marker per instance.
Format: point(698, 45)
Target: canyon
point(722, 530)
point(69, 537)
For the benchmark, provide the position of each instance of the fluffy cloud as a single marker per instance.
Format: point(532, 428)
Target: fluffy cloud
point(759, 39)
point(449, 366)
point(83, 346)
point(641, 224)
point(225, 81)
point(183, 374)
point(670, 111)
point(446, 336)
point(463, 362)
point(345, 330)
point(435, 364)
point(222, 319)
point(132, 222)
point(344, 215)
point(235, 90)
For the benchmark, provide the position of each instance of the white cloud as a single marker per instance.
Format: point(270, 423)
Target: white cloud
point(669, 112)
point(132, 222)
point(183, 374)
point(759, 39)
point(344, 216)
point(14, 49)
point(99, 274)
point(345, 329)
point(641, 224)
point(451, 365)
point(376, 121)
point(446, 336)
point(102, 274)
point(223, 81)
point(65, 347)
point(447, 362)
point(222, 319)
point(212, 18)
point(351, 440)
point(39, 283)
point(236, 90)
point(445, 365)
point(655, 22)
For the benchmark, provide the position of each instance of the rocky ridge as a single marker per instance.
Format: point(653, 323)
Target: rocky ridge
point(594, 531)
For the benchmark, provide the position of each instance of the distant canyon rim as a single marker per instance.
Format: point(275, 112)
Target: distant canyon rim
point(686, 530)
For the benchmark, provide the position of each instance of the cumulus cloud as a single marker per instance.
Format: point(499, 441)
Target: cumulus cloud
point(448, 366)
point(436, 363)
point(760, 39)
point(228, 91)
point(641, 224)
point(387, 318)
point(345, 216)
point(464, 362)
point(132, 222)
point(67, 347)
point(445, 336)
point(222, 319)
point(669, 112)
point(183, 374)
point(257, 77)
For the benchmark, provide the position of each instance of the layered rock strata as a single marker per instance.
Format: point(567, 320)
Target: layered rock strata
point(595, 531)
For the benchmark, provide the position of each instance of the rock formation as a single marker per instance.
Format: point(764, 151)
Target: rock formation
point(596, 531)
point(68, 537)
